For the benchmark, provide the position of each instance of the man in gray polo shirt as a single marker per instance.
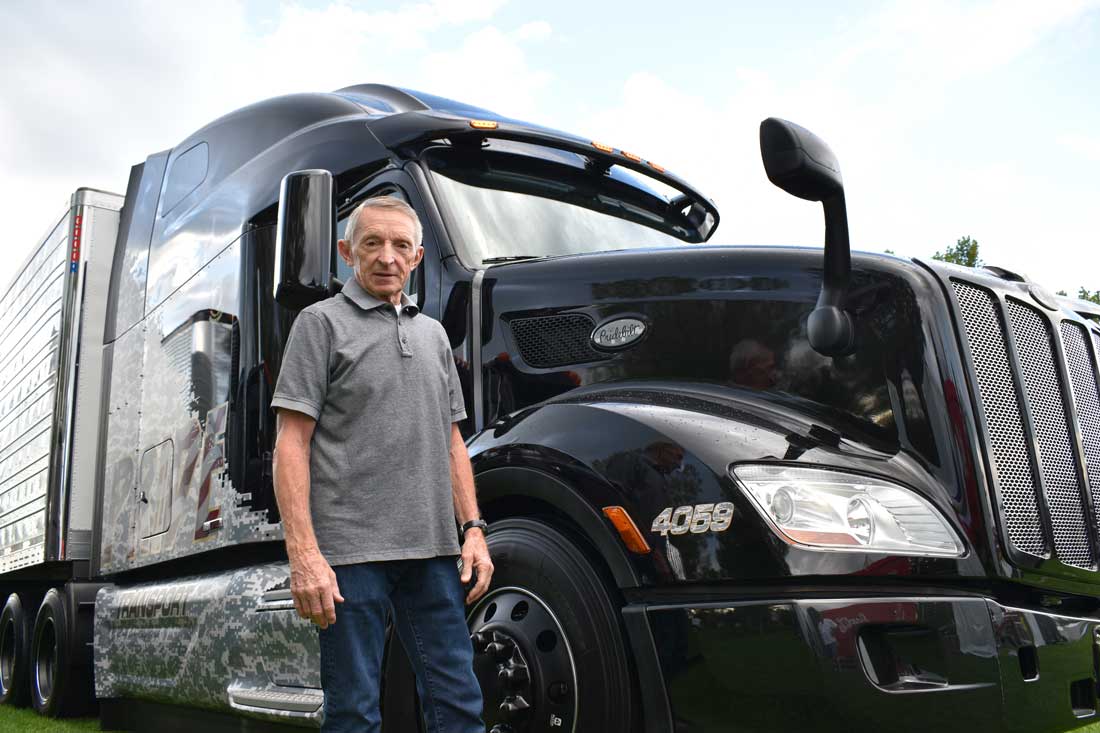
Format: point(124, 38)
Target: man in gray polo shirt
point(370, 474)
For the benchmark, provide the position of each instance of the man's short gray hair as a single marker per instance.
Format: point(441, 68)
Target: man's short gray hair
point(391, 203)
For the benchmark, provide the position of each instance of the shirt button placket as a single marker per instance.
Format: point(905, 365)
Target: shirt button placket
point(402, 338)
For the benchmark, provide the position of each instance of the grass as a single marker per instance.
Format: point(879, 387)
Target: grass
point(25, 720)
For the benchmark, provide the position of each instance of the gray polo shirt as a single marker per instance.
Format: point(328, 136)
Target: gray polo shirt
point(384, 391)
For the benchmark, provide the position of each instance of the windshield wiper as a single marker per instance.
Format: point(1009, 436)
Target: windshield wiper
point(510, 258)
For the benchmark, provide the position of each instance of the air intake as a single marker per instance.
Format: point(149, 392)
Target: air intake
point(1037, 382)
point(554, 341)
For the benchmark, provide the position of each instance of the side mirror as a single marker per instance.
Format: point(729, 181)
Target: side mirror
point(800, 163)
point(304, 239)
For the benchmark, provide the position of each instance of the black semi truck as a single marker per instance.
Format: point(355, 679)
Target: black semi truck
point(729, 488)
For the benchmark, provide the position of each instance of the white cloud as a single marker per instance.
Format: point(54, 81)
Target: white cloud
point(898, 196)
point(939, 40)
point(108, 85)
point(538, 30)
point(1086, 145)
point(489, 70)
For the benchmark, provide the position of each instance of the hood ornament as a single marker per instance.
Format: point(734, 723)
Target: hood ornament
point(618, 333)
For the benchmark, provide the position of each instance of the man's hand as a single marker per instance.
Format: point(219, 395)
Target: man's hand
point(313, 586)
point(475, 555)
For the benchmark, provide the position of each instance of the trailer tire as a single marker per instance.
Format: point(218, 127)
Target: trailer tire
point(58, 688)
point(15, 650)
point(553, 611)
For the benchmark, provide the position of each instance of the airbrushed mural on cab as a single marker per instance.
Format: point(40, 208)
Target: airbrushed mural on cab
point(167, 488)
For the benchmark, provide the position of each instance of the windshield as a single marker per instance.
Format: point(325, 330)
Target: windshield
point(515, 201)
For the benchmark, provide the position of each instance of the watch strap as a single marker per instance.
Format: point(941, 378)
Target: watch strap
point(480, 523)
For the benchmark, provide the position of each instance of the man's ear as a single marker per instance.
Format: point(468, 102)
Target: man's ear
point(344, 248)
point(418, 258)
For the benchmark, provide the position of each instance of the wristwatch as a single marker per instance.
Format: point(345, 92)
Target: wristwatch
point(479, 523)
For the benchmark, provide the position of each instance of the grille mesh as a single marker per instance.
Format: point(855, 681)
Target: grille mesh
point(1046, 397)
point(1082, 373)
point(985, 334)
point(552, 341)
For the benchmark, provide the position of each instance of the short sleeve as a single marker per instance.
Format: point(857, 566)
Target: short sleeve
point(458, 404)
point(303, 376)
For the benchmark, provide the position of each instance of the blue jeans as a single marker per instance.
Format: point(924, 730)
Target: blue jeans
point(427, 601)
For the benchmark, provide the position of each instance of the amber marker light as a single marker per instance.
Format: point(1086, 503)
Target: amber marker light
point(483, 124)
point(632, 538)
point(602, 148)
point(632, 156)
point(658, 168)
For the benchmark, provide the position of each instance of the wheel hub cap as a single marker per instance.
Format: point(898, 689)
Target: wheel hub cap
point(524, 664)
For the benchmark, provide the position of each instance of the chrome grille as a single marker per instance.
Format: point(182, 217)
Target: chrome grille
point(1082, 372)
point(986, 336)
point(1047, 399)
point(1035, 373)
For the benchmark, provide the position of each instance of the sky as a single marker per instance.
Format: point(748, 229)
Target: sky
point(948, 118)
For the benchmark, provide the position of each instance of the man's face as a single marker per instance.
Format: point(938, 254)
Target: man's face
point(384, 252)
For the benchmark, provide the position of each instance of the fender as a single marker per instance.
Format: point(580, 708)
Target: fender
point(578, 458)
point(509, 482)
point(658, 448)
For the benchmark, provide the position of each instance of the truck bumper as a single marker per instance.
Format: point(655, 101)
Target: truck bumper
point(914, 663)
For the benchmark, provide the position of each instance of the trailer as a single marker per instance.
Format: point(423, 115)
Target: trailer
point(51, 324)
point(728, 487)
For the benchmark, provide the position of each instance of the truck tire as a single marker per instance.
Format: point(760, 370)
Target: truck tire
point(57, 688)
point(549, 649)
point(15, 651)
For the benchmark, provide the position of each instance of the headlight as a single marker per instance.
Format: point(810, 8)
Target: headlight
point(833, 510)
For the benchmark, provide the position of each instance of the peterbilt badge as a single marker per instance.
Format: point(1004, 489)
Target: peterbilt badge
point(618, 333)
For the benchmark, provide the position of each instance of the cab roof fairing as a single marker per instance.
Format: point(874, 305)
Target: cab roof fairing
point(411, 129)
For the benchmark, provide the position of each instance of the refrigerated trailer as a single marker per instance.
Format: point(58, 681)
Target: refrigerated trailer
point(729, 488)
point(51, 397)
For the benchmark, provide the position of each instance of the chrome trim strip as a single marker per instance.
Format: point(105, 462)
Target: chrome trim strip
point(475, 350)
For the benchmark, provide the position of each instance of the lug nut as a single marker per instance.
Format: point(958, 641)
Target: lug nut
point(514, 676)
point(514, 706)
point(500, 648)
point(480, 640)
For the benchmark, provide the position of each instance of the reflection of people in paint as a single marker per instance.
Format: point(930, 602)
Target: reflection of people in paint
point(827, 628)
point(664, 457)
point(648, 474)
point(752, 365)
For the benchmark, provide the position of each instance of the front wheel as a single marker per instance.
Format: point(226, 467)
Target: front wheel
point(549, 648)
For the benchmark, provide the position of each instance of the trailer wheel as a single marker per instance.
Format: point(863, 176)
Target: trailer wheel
point(14, 653)
point(549, 650)
point(57, 688)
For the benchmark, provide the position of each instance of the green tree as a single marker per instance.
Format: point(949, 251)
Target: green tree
point(964, 252)
point(1093, 297)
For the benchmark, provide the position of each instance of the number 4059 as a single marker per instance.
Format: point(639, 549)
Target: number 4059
point(695, 519)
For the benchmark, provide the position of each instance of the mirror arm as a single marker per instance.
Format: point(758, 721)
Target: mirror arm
point(830, 328)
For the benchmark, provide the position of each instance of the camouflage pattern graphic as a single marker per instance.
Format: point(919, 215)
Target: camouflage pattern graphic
point(189, 640)
point(167, 490)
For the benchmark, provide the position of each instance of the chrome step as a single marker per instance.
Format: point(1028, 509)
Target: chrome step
point(303, 702)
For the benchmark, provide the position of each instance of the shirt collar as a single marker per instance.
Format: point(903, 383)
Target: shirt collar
point(354, 292)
